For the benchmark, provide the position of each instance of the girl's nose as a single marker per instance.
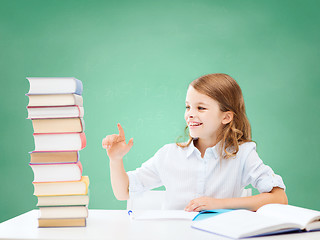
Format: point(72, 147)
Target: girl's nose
point(189, 116)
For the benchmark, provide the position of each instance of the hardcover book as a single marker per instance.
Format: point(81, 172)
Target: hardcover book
point(54, 85)
point(59, 141)
point(65, 200)
point(55, 100)
point(58, 172)
point(58, 125)
point(54, 157)
point(61, 222)
point(62, 188)
point(37, 112)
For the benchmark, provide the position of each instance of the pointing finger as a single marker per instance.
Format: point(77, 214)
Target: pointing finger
point(121, 132)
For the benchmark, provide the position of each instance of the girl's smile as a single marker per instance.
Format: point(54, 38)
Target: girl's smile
point(194, 124)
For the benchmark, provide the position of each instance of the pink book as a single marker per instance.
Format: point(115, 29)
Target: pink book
point(59, 141)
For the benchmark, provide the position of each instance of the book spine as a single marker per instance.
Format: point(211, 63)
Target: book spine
point(83, 140)
point(80, 166)
point(79, 87)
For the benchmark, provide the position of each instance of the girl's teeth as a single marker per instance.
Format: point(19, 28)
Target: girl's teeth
point(195, 124)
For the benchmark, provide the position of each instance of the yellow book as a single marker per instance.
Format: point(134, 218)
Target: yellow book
point(62, 188)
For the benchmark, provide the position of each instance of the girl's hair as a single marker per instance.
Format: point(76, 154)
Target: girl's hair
point(226, 91)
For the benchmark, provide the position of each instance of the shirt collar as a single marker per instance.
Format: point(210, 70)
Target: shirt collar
point(213, 150)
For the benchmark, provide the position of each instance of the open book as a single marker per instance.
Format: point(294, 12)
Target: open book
point(269, 219)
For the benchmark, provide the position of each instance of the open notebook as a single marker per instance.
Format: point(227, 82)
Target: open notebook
point(269, 219)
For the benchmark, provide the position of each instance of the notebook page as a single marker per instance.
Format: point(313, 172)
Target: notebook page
point(241, 223)
point(291, 213)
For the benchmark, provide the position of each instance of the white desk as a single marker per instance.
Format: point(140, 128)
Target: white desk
point(116, 225)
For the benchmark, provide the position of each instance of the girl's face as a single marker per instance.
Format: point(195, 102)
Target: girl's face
point(203, 116)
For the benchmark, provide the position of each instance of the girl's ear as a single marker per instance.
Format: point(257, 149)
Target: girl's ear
point(228, 117)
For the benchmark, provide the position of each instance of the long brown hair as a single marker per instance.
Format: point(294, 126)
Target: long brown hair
point(226, 91)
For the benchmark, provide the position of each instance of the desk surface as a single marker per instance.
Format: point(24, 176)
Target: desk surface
point(115, 224)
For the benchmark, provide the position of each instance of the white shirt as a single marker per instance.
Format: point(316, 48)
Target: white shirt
point(186, 175)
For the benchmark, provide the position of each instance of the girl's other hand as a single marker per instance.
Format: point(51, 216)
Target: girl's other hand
point(203, 203)
point(116, 145)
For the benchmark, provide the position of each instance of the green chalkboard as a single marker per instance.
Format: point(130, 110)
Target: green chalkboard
point(136, 59)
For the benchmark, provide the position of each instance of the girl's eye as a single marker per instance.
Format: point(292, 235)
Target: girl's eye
point(187, 107)
point(201, 108)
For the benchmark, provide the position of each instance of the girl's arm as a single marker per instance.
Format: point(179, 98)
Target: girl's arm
point(277, 195)
point(116, 149)
point(119, 180)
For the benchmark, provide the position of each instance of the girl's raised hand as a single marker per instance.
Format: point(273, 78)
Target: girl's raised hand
point(116, 145)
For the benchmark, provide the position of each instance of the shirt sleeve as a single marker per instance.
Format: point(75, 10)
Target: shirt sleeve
point(147, 176)
point(259, 175)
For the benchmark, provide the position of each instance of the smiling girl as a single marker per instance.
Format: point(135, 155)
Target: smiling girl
point(212, 169)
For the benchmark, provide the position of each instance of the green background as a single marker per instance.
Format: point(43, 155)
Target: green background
point(136, 59)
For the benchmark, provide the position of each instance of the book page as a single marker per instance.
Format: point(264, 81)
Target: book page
point(301, 216)
point(163, 215)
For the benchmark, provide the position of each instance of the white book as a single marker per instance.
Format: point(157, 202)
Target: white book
point(54, 85)
point(59, 141)
point(57, 172)
point(55, 112)
point(269, 219)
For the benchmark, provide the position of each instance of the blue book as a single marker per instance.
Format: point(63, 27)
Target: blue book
point(210, 213)
point(54, 85)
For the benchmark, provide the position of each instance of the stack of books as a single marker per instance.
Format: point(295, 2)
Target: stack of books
point(56, 111)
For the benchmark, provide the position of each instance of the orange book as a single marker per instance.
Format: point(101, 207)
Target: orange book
point(62, 222)
point(54, 157)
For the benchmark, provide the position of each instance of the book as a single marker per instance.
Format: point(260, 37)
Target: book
point(72, 200)
point(204, 214)
point(58, 172)
point(55, 100)
point(59, 141)
point(58, 125)
point(63, 212)
point(269, 219)
point(37, 112)
point(61, 188)
point(54, 85)
point(61, 222)
point(54, 157)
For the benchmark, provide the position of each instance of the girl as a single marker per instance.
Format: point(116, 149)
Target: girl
point(211, 170)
